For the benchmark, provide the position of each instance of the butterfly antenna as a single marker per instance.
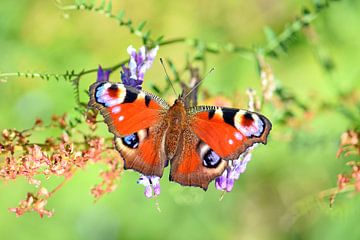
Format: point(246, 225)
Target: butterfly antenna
point(198, 83)
point(167, 76)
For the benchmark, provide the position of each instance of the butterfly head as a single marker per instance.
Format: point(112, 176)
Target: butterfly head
point(177, 112)
point(179, 102)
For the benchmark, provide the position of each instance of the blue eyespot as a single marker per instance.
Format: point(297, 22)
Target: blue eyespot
point(131, 141)
point(211, 159)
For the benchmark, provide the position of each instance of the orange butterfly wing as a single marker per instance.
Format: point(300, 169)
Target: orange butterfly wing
point(228, 131)
point(134, 117)
point(189, 167)
point(214, 135)
point(126, 109)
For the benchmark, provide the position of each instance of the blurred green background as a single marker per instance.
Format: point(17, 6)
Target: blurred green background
point(270, 201)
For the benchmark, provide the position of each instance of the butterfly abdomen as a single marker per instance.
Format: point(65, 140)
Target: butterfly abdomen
point(176, 118)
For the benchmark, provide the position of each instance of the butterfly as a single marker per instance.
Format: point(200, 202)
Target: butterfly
point(197, 141)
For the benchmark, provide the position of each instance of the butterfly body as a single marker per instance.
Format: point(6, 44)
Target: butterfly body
point(176, 119)
point(196, 141)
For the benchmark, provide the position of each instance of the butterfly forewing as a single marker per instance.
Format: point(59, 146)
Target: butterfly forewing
point(228, 131)
point(126, 109)
point(135, 118)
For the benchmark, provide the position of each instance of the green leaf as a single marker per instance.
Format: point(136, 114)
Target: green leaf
point(270, 35)
point(306, 11)
point(159, 39)
point(283, 46)
point(80, 2)
point(156, 89)
point(91, 4)
point(173, 69)
point(109, 7)
point(120, 15)
point(141, 26)
point(199, 57)
point(347, 113)
point(297, 25)
point(102, 6)
point(213, 48)
point(147, 34)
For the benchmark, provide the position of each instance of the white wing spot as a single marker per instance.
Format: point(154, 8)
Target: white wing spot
point(231, 142)
point(121, 118)
point(238, 136)
point(116, 109)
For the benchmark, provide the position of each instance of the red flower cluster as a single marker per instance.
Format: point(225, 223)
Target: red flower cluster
point(60, 157)
point(349, 147)
point(35, 203)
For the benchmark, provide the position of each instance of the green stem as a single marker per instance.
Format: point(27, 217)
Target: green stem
point(171, 41)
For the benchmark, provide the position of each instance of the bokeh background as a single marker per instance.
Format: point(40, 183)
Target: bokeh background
point(274, 199)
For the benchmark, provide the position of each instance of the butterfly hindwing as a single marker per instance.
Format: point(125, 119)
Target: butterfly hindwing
point(142, 150)
point(228, 131)
point(135, 118)
point(195, 163)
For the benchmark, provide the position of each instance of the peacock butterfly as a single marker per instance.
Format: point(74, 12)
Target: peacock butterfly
point(196, 141)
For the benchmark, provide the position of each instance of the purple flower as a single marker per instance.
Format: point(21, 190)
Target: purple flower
point(152, 185)
point(235, 168)
point(139, 63)
point(103, 76)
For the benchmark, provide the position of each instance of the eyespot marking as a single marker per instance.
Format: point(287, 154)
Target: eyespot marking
point(109, 94)
point(247, 119)
point(113, 91)
point(131, 141)
point(211, 159)
point(208, 157)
